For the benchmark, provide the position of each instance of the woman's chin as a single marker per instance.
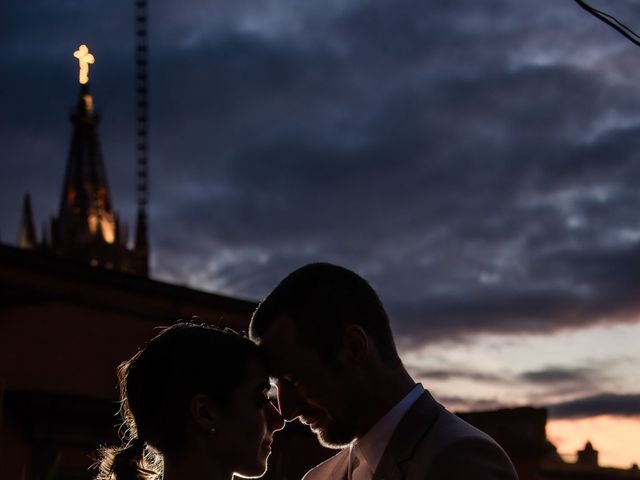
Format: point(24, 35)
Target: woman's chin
point(253, 472)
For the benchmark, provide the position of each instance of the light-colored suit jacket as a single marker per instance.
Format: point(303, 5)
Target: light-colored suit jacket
point(430, 443)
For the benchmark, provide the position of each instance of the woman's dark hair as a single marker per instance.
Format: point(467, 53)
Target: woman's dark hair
point(157, 385)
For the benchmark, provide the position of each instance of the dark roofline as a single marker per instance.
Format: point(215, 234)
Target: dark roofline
point(52, 264)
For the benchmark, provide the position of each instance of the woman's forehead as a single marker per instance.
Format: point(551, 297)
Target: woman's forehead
point(256, 373)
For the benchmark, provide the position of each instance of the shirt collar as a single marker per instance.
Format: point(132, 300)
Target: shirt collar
point(370, 447)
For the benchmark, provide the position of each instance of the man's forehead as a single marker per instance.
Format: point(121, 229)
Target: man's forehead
point(276, 367)
point(282, 333)
point(283, 347)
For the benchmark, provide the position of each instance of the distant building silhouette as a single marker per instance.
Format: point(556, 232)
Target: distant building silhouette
point(522, 433)
point(588, 456)
point(586, 467)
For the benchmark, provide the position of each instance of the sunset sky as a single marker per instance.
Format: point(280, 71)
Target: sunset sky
point(477, 161)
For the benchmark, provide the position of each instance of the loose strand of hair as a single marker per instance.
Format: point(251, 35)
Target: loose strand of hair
point(136, 461)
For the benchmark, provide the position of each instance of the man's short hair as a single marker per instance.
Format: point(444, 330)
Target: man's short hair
point(322, 299)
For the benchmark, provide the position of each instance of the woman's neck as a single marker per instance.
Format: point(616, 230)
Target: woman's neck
point(192, 466)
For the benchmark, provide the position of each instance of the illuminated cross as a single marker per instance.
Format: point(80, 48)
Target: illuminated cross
point(84, 59)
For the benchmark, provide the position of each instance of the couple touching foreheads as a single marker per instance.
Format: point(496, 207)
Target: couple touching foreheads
point(195, 400)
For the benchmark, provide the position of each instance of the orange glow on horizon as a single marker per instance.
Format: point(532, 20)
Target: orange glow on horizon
point(616, 438)
point(84, 59)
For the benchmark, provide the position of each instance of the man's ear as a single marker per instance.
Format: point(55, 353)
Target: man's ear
point(203, 412)
point(356, 344)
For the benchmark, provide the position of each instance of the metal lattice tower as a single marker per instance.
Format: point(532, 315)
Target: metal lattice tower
point(141, 247)
point(141, 107)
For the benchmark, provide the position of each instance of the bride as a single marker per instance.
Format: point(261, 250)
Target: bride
point(194, 405)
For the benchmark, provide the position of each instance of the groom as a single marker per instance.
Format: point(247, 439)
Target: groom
point(328, 341)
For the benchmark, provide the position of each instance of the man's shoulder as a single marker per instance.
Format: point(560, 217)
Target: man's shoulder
point(459, 455)
point(450, 442)
point(326, 469)
point(449, 428)
point(441, 427)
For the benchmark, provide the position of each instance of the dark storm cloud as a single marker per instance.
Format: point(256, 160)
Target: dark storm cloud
point(553, 375)
point(559, 380)
point(593, 286)
point(454, 374)
point(466, 157)
point(603, 404)
point(471, 405)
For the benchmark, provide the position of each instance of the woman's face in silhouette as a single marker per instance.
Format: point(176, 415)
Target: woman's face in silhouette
point(246, 427)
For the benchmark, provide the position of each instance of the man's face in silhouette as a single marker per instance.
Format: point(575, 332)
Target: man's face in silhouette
point(318, 392)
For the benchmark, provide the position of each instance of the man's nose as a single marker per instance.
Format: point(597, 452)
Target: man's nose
point(289, 401)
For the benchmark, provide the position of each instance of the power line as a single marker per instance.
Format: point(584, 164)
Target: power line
point(611, 21)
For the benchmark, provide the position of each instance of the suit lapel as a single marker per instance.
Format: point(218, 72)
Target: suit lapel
point(414, 425)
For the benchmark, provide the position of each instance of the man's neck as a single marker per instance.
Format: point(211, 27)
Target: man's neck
point(386, 390)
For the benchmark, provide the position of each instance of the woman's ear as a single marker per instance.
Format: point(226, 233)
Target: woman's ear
point(203, 412)
point(355, 344)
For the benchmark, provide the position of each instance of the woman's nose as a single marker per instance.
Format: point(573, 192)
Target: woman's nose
point(274, 419)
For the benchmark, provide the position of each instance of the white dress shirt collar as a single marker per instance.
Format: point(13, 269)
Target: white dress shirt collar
point(371, 446)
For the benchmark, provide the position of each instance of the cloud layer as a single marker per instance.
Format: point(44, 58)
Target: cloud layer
point(603, 404)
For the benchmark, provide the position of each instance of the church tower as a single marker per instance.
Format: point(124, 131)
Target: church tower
point(87, 228)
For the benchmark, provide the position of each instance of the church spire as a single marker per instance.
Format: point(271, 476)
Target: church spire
point(87, 228)
point(27, 233)
point(85, 212)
